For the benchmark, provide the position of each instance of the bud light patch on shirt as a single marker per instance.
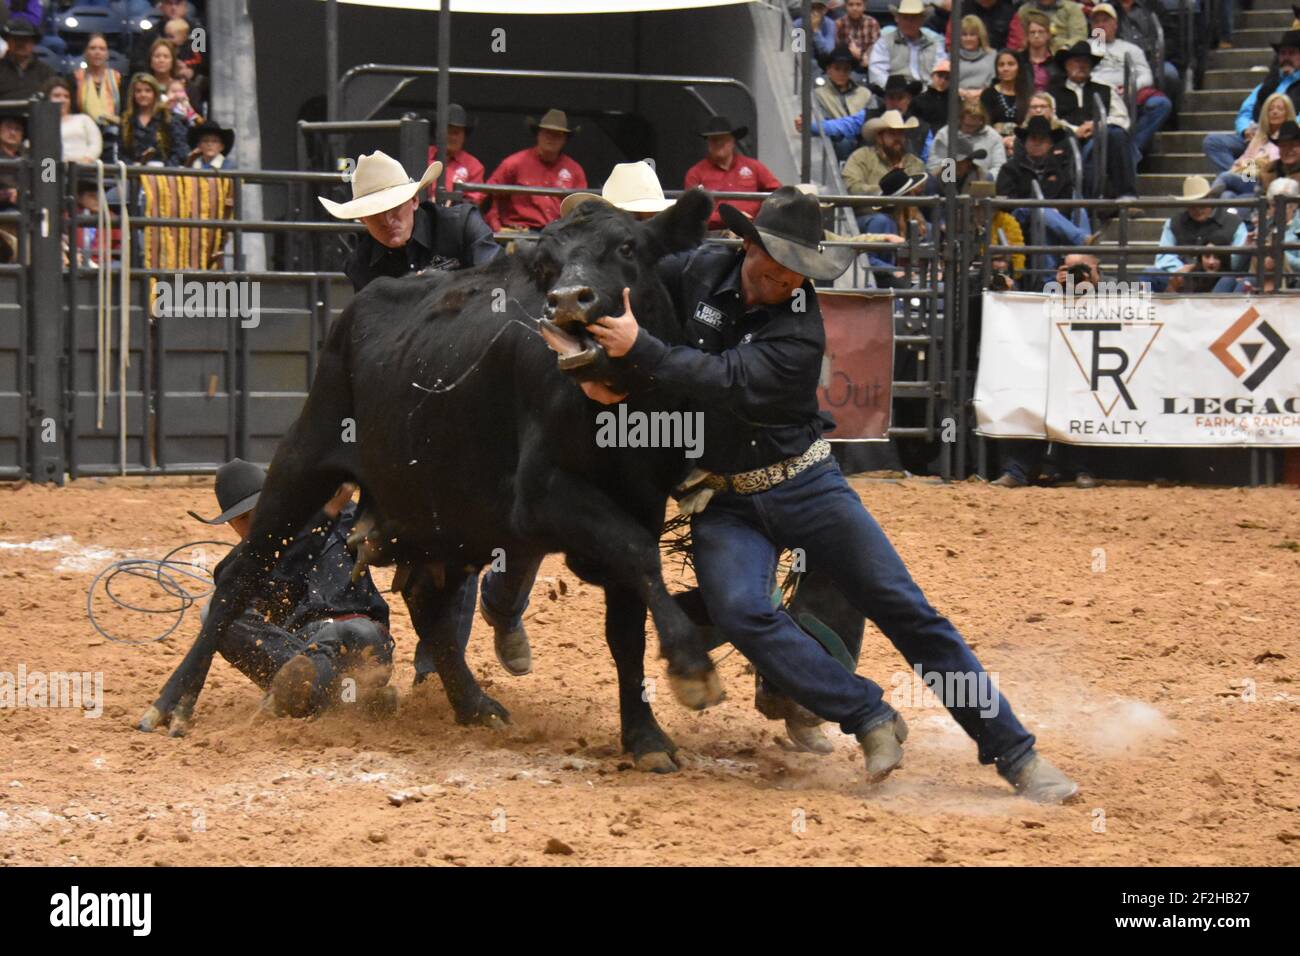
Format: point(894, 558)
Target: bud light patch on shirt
point(708, 315)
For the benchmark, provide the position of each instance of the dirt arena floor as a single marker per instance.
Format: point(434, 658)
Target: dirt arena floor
point(1149, 637)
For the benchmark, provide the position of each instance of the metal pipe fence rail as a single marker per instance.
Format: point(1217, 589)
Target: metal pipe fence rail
point(194, 393)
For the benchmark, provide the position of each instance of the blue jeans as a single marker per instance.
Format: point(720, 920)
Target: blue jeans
point(457, 625)
point(1058, 230)
point(1235, 185)
point(1152, 115)
point(735, 544)
point(505, 594)
point(1222, 149)
point(1120, 177)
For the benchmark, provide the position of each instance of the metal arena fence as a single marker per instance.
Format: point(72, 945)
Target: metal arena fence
point(93, 381)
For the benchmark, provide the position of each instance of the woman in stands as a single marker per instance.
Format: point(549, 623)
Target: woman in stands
point(1036, 60)
point(151, 134)
point(82, 142)
point(976, 58)
point(1007, 100)
point(1243, 179)
point(162, 64)
point(99, 88)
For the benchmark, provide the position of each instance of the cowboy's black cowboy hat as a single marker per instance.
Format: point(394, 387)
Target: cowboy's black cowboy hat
point(841, 54)
point(1081, 48)
point(1290, 39)
point(239, 485)
point(1040, 126)
point(789, 228)
point(456, 116)
point(721, 126)
point(19, 28)
point(897, 83)
point(196, 133)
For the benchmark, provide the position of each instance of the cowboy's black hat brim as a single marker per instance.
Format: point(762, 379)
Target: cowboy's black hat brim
point(912, 88)
point(823, 264)
point(740, 132)
point(196, 133)
point(1058, 133)
point(234, 511)
point(1064, 56)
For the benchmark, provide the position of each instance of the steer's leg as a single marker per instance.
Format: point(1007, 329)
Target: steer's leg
point(429, 604)
point(588, 523)
point(642, 737)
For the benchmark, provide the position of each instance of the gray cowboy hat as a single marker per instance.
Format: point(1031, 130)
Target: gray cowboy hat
point(456, 116)
point(789, 228)
point(239, 485)
point(552, 119)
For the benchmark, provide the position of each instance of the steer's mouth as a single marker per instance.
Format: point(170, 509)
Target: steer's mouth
point(565, 331)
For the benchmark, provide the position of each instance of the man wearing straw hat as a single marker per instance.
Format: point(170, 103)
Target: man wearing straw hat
point(542, 164)
point(771, 483)
point(403, 234)
point(1196, 226)
point(908, 47)
point(632, 187)
point(869, 164)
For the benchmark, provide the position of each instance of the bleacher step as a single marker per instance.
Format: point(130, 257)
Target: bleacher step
point(1223, 80)
point(1239, 58)
point(1277, 20)
point(1218, 100)
point(1182, 163)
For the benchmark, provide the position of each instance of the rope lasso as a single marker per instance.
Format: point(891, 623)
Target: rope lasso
point(170, 577)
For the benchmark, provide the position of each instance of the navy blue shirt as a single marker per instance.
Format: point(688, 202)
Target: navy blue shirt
point(753, 373)
point(442, 237)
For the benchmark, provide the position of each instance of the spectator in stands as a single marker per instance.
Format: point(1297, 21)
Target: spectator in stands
point(1153, 107)
point(22, 75)
point(1007, 101)
point(1039, 158)
point(1068, 25)
point(13, 135)
point(857, 32)
point(167, 10)
point(931, 105)
point(177, 32)
point(1036, 60)
point(210, 145)
point(869, 164)
point(725, 169)
point(178, 101)
point(632, 187)
point(1140, 24)
point(403, 234)
point(840, 94)
point(82, 142)
point(151, 134)
point(1196, 226)
point(1222, 148)
point(461, 166)
point(821, 30)
point(543, 164)
point(1203, 274)
point(896, 95)
point(1004, 28)
point(979, 148)
point(898, 220)
point(99, 88)
point(1261, 152)
point(1289, 188)
point(1287, 164)
point(1042, 104)
point(1076, 97)
point(162, 63)
point(977, 58)
point(908, 47)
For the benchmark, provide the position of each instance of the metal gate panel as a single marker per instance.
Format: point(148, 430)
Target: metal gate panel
point(13, 392)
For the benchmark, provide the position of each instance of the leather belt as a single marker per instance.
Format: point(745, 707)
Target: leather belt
point(763, 479)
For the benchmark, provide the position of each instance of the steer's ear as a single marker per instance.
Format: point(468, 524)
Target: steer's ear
point(681, 225)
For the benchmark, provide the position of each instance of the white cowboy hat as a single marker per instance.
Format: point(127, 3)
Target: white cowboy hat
point(1196, 187)
point(890, 119)
point(632, 187)
point(379, 184)
point(908, 7)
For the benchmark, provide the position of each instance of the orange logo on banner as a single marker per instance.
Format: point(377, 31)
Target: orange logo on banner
point(858, 368)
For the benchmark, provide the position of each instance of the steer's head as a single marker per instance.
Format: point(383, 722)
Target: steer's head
point(584, 261)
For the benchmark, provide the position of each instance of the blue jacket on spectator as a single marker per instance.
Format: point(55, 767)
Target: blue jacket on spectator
point(1172, 262)
point(850, 127)
point(1246, 115)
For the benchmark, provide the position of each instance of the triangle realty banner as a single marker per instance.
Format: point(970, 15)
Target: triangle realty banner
point(1119, 366)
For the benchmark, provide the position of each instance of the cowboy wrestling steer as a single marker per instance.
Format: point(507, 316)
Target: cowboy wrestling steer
point(468, 439)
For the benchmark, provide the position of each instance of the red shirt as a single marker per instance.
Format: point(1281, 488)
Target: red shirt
point(461, 168)
point(746, 175)
point(525, 168)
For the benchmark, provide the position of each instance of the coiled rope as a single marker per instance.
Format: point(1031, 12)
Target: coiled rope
point(174, 578)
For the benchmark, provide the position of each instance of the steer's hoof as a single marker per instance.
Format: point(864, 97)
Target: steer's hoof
point(182, 717)
point(698, 692)
point(657, 761)
point(153, 719)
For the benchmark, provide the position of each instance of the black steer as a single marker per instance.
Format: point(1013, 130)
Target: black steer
point(469, 439)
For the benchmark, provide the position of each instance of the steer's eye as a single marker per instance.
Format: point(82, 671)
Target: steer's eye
point(626, 249)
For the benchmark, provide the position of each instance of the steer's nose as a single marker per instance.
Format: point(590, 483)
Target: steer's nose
point(571, 304)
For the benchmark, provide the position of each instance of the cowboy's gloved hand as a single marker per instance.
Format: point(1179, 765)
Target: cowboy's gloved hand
point(617, 333)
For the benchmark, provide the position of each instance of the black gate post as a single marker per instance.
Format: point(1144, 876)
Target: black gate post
point(46, 437)
point(413, 146)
